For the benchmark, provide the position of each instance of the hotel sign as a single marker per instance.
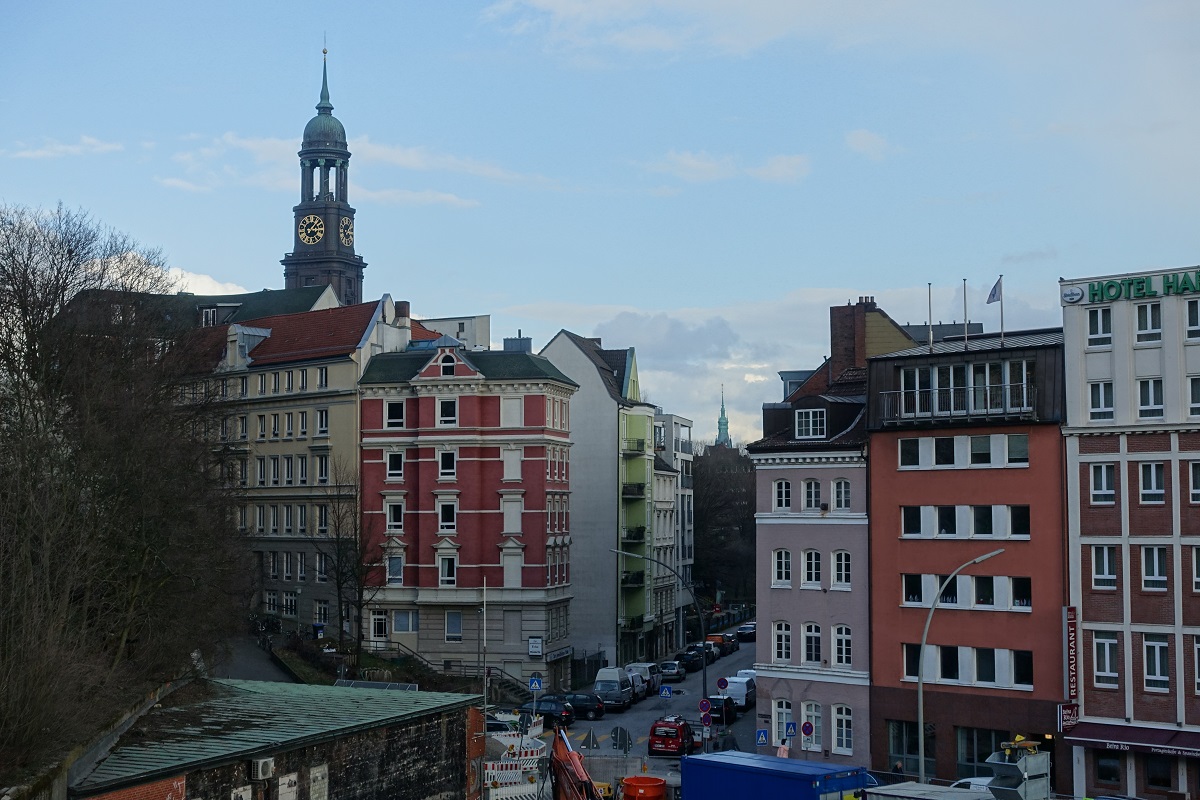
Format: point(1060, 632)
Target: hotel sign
point(1176, 283)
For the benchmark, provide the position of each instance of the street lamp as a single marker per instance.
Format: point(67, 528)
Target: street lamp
point(921, 661)
point(699, 618)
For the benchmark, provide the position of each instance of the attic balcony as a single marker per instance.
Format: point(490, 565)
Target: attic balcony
point(1012, 401)
point(633, 447)
point(633, 491)
point(632, 580)
point(633, 534)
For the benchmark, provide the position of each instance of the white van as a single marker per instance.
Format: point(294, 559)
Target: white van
point(614, 687)
point(650, 673)
point(743, 691)
point(747, 673)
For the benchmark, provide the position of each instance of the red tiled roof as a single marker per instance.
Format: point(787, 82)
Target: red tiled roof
point(422, 334)
point(326, 333)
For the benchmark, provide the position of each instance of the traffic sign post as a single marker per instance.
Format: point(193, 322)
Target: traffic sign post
point(722, 684)
point(704, 705)
point(789, 730)
point(760, 737)
point(706, 720)
point(535, 684)
point(806, 728)
point(665, 692)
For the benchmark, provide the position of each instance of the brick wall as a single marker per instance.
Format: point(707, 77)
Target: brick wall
point(1101, 701)
point(1150, 519)
point(1148, 443)
point(174, 788)
point(1151, 706)
point(1098, 520)
point(1099, 444)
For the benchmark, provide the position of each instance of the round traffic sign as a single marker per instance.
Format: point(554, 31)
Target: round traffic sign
point(706, 720)
point(722, 684)
point(705, 706)
point(806, 729)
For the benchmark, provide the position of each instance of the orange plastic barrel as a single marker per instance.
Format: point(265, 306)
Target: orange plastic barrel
point(645, 786)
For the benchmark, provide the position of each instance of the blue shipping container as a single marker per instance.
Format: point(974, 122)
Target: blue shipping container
point(731, 774)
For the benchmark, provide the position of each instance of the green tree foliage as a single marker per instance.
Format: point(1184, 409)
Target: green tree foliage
point(118, 556)
point(723, 481)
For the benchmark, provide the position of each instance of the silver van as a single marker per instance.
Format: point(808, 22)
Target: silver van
point(614, 687)
point(743, 691)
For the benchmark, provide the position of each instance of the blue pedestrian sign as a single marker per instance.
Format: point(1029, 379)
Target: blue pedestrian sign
point(760, 737)
point(665, 692)
point(535, 684)
point(789, 730)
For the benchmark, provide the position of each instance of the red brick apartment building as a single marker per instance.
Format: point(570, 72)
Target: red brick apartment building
point(1133, 492)
point(466, 484)
point(966, 457)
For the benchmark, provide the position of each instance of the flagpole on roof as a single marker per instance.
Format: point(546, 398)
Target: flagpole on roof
point(965, 331)
point(1002, 310)
point(929, 317)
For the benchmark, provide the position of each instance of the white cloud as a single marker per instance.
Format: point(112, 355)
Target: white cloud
point(702, 167)
point(180, 183)
point(872, 145)
point(87, 145)
point(782, 169)
point(420, 158)
point(202, 284)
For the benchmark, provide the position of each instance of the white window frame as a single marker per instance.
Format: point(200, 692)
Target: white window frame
point(810, 423)
point(1104, 491)
point(842, 574)
point(841, 494)
point(444, 420)
point(843, 652)
point(843, 729)
point(394, 464)
point(1154, 568)
point(812, 569)
point(322, 468)
point(783, 495)
point(1151, 485)
point(454, 619)
point(322, 377)
point(1099, 327)
point(1194, 470)
point(443, 523)
point(781, 561)
point(1105, 663)
point(1156, 650)
point(394, 566)
point(393, 421)
point(1101, 401)
point(447, 571)
point(781, 635)
point(812, 494)
point(1104, 566)
point(322, 422)
point(411, 620)
point(781, 710)
point(1149, 322)
point(1196, 568)
point(1193, 329)
point(1193, 396)
point(812, 714)
point(394, 515)
point(813, 650)
point(1150, 398)
point(447, 464)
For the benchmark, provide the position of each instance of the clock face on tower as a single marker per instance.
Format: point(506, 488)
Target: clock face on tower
point(311, 229)
point(346, 231)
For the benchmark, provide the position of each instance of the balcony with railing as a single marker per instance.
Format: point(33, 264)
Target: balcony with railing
point(683, 446)
point(1003, 401)
point(633, 490)
point(633, 534)
point(633, 447)
point(631, 580)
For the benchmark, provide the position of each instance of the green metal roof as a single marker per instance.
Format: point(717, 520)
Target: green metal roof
point(212, 722)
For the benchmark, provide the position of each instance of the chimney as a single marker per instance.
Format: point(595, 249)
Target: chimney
point(518, 343)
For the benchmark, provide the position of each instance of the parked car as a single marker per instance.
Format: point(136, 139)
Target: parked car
point(649, 673)
point(640, 688)
point(743, 691)
point(747, 632)
point(672, 672)
point(692, 660)
point(551, 710)
point(495, 725)
point(614, 687)
point(718, 641)
point(979, 782)
point(711, 651)
point(587, 705)
point(724, 711)
point(673, 736)
point(732, 642)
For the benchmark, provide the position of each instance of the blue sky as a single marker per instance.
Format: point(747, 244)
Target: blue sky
point(699, 179)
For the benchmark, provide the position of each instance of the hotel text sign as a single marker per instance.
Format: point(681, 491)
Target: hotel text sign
point(1145, 286)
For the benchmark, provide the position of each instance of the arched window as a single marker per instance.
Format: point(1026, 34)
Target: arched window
point(782, 577)
point(812, 643)
point(841, 494)
point(841, 645)
point(812, 714)
point(812, 568)
point(783, 495)
point(782, 712)
point(783, 641)
point(812, 494)
point(841, 569)
point(447, 365)
point(843, 729)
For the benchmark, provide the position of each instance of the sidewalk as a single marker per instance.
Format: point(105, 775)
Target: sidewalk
point(248, 662)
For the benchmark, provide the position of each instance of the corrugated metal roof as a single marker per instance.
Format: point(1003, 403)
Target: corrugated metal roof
point(1017, 340)
point(217, 721)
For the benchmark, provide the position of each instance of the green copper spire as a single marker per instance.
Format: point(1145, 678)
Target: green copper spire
point(324, 107)
point(723, 424)
point(324, 130)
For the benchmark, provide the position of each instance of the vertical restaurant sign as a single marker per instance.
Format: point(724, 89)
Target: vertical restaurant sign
point(1072, 653)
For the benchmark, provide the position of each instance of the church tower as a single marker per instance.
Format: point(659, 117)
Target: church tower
point(323, 246)
point(723, 439)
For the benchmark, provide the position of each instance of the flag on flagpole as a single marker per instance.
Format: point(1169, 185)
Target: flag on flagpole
point(997, 291)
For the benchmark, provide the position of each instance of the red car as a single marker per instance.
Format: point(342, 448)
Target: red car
point(673, 736)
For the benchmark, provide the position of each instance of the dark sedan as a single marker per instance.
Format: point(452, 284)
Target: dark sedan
point(692, 660)
point(587, 705)
point(552, 710)
point(747, 632)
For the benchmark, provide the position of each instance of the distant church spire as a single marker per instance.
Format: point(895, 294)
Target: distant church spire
point(723, 424)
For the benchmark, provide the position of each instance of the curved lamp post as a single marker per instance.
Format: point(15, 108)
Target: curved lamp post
point(699, 618)
point(921, 661)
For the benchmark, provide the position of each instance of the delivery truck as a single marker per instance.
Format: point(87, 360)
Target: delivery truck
point(731, 774)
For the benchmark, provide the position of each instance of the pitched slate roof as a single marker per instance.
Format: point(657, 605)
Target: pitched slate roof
point(661, 465)
point(492, 364)
point(327, 333)
point(854, 435)
point(610, 364)
point(213, 722)
point(185, 308)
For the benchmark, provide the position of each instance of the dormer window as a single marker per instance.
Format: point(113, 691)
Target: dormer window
point(447, 366)
point(810, 423)
point(208, 317)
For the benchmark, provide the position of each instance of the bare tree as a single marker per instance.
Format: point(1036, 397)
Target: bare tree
point(355, 561)
point(118, 557)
